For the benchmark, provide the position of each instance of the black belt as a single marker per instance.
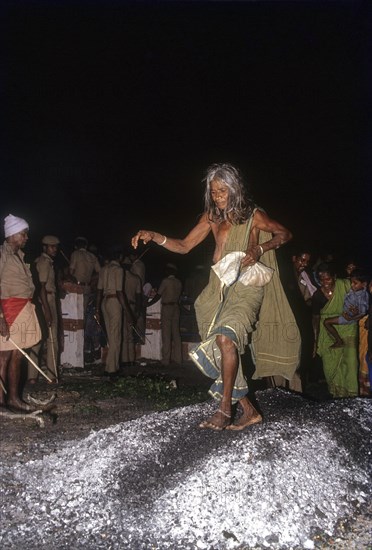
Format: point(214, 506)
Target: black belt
point(169, 303)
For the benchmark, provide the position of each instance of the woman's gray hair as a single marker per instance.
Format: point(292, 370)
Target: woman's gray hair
point(239, 207)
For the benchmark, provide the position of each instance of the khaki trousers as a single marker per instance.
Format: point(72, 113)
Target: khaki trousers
point(52, 356)
point(170, 333)
point(128, 351)
point(113, 315)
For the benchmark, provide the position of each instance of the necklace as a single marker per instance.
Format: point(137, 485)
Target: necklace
point(328, 293)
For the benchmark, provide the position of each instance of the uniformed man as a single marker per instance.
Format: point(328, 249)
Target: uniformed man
point(83, 264)
point(169, 292)
point(110, 298)
point(19, 327)
point(46, 283)
point(133, 294)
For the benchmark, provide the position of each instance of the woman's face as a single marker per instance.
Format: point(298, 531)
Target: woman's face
point(327, 280)
point(219, 194)
point(350, 267)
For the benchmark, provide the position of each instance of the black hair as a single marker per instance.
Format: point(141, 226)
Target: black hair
point(325, 267)
point(359, 275)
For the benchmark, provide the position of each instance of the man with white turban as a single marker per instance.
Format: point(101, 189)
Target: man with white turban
point(17, 314)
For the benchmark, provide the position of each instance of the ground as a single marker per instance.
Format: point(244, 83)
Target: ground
point(86, 400)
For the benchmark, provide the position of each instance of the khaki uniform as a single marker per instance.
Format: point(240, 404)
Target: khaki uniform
point(133, 292)
point(46, 274)
point(82, 266)
point(170, 290)
point(16, 282)
point(110, 280)
point(15, 275)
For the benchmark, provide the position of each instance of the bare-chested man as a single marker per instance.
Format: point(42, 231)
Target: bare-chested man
point(225, 321)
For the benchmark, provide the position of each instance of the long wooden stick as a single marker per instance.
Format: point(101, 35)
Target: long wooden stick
point(31, 360)
point(64, 255)
point(53, 354)
point(143, 253)
point(103, 331)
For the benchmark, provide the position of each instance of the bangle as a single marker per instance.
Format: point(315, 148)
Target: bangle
point(261, 249)
point(163, 242)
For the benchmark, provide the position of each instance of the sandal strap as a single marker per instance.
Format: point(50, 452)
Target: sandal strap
point(225, 414)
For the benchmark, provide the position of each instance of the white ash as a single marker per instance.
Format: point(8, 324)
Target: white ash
point(160, 482)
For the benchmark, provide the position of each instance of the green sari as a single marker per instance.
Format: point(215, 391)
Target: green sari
point(340, 365)
point(237, 311)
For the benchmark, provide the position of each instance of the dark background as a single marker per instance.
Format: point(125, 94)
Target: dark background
point(112, 111)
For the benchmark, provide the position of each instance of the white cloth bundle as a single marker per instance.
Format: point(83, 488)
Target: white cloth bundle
point(229, 271)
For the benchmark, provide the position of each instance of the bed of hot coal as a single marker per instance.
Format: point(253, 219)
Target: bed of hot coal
point(160, 482)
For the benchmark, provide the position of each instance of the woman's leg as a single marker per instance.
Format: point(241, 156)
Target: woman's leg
point(250, 416)
point(329, 326)
point(229, 368)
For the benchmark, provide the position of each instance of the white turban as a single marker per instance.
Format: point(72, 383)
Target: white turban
point(13, 225)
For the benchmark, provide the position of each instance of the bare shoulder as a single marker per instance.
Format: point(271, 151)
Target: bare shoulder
point(197, 234)
point(203, 219)
point(203, 224)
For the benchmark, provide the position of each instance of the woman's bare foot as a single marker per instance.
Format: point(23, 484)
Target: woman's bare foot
point(218, 421)
point(250, 416)
point(245, 421)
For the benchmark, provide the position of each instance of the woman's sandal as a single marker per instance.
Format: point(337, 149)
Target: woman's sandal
point(212, 426)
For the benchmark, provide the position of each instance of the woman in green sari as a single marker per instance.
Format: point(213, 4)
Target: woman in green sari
point(340, 364)
point(226, 316)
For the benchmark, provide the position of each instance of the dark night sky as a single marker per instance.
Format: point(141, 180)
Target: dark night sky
point(113, 110)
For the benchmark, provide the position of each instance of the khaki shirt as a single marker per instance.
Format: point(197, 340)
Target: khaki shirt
point(170, 290)
point(82, 265)
point(45, 269)
point(15, 275)
point(110, 278)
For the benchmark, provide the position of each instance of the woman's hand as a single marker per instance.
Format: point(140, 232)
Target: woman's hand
point(142, 235)
point(252, 255)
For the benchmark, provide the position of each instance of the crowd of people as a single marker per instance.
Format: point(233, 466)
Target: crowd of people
point(321, 317)
point(114, 295)
point(332, 306)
